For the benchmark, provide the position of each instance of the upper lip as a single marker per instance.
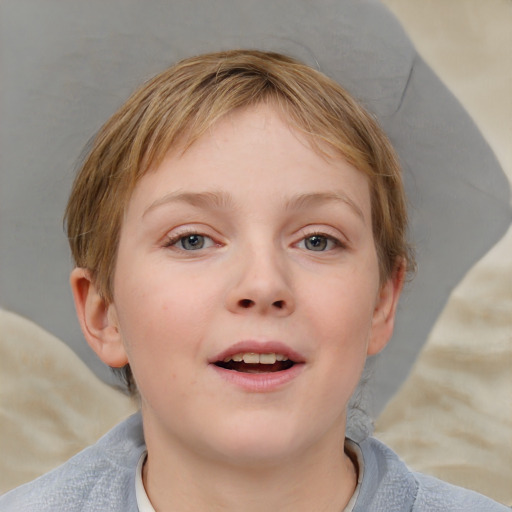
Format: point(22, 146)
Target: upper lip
point(258, 347)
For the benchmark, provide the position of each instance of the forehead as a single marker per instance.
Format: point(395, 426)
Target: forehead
point(256, 149)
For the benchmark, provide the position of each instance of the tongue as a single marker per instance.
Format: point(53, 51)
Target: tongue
point(256, 368)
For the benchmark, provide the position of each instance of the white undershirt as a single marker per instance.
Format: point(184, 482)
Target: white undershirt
point(144, 504)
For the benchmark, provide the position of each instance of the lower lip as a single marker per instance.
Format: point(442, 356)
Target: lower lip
point(259, 382)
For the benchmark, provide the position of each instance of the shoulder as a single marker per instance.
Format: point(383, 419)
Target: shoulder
point(434, 495)
point(101, 477)
point(390, 486)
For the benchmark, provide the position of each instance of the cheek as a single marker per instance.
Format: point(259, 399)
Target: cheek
point(342, 316)
point(345, 305)
point(162, 312)
point(162, 338)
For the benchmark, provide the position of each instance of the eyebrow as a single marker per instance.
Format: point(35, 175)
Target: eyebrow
point(209, 200)
point(224, 200)
point(318, 198)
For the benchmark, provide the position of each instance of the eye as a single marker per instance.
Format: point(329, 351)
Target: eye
point(319, 243)
point(191, 242)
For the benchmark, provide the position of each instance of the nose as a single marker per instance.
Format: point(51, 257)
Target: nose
point(261, 284)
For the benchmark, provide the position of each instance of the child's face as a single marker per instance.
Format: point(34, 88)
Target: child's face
point(249, 242)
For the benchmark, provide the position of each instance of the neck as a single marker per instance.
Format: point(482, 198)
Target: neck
point(320, 479)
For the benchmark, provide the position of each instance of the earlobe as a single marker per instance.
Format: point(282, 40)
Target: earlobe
point(383, 321)
point(98, 319)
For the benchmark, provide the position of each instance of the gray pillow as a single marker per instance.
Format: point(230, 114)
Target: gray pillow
point(68, 65)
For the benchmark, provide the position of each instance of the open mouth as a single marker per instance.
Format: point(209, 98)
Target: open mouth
point(251, 362)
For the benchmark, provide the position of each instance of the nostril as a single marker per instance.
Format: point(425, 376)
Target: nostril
point(246, 303)
point(279, 304)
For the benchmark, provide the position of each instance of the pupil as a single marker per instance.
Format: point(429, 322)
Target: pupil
point(316, 243)
point(193, 242)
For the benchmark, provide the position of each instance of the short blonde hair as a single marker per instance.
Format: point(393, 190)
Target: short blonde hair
point(180, 104)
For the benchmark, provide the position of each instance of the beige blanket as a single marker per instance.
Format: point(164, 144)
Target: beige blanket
point(51, 404)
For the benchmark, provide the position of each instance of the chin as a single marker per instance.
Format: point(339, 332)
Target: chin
point(257, 456)
point(259, 444)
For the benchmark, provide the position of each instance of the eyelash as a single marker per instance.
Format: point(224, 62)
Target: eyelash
point(173, 240)
point(336, 241)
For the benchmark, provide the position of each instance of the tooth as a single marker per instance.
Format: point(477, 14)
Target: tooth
point(237, 357)
point(227, 359)
point(280, 357)
point(251, 358)
point(267, 358)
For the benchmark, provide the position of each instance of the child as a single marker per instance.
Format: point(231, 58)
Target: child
point(238, 229)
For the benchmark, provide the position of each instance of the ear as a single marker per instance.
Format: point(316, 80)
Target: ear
point(98, 319)
point(384, 313)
